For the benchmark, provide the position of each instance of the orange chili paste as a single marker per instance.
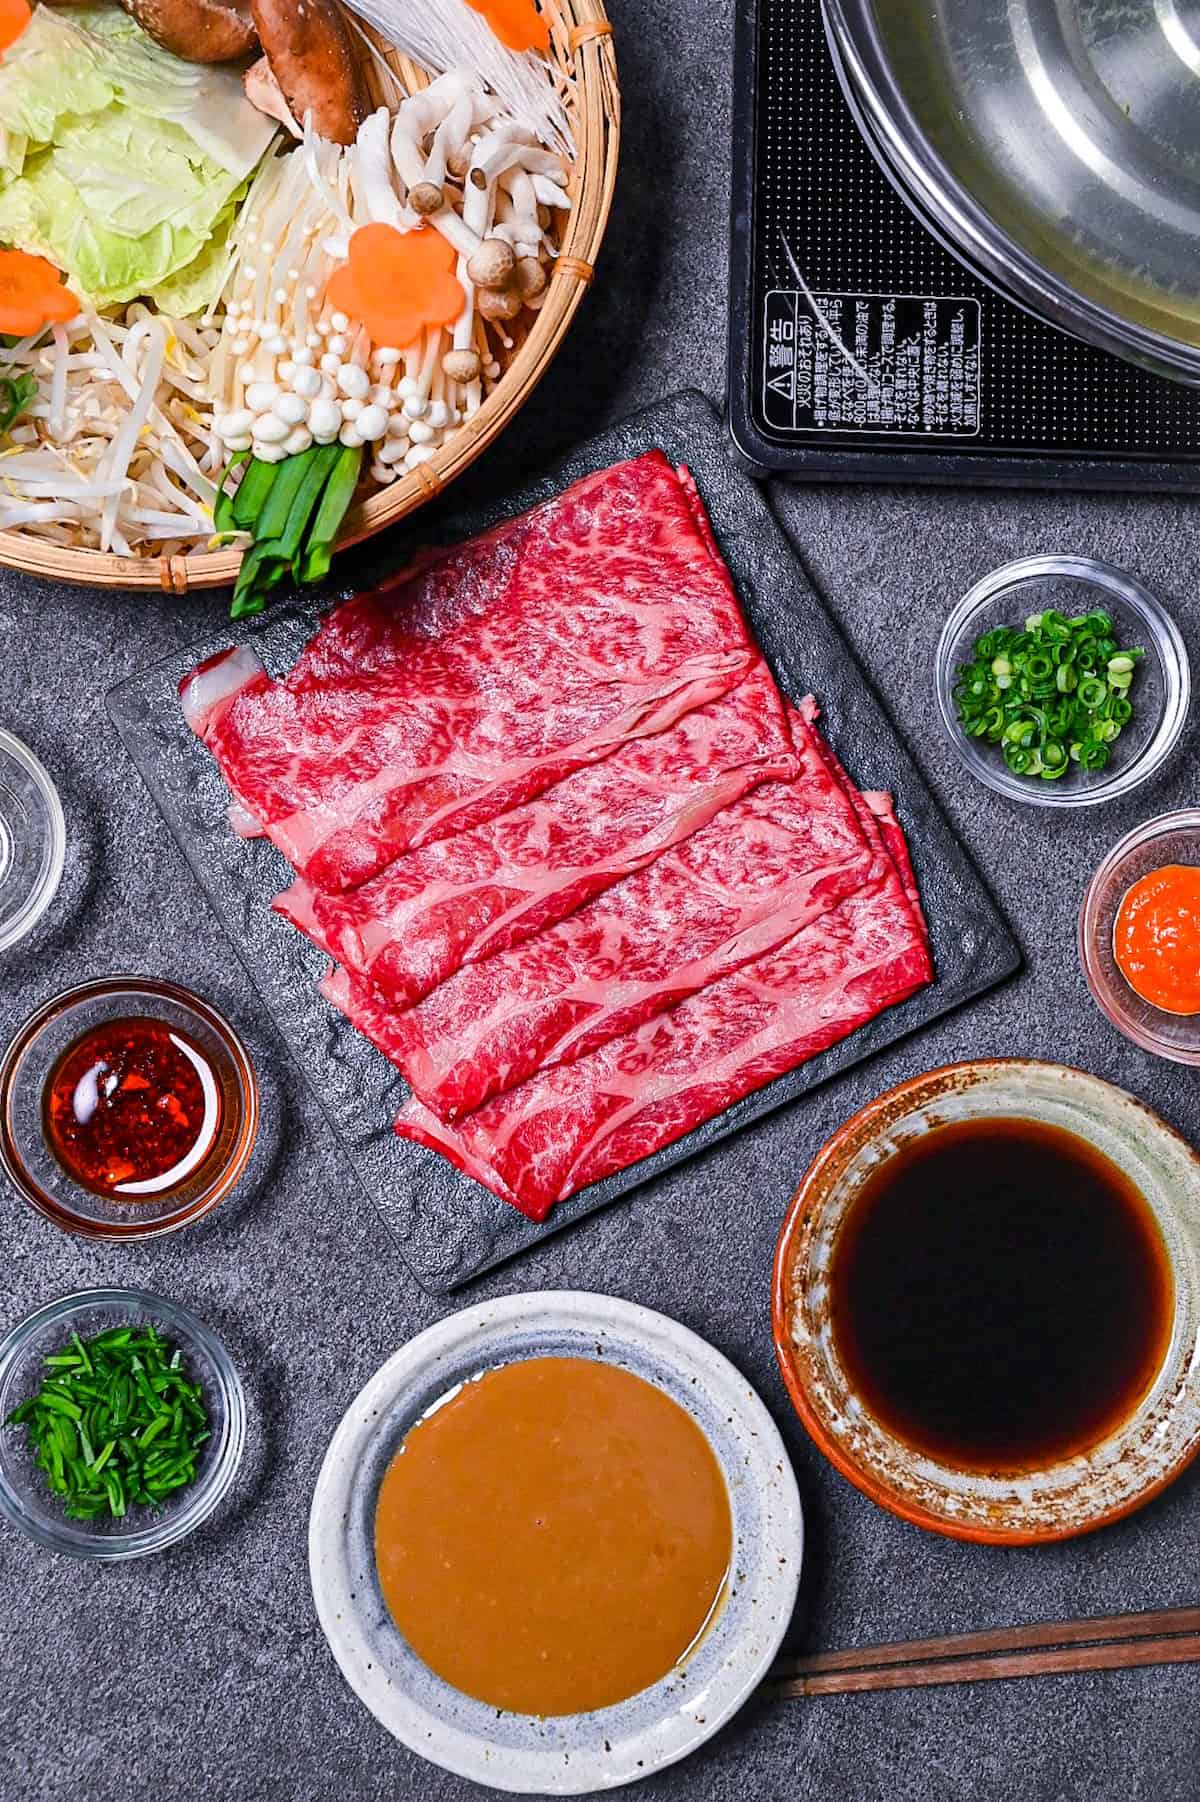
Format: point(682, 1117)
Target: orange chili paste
point(1156, 938)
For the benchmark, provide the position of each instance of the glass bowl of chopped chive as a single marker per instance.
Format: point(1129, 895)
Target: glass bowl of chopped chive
point(1061, 681)
point(123, 1424)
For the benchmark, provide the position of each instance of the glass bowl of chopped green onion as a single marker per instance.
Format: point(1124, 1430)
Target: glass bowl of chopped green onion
point(1061, 681)
point(122, 1424)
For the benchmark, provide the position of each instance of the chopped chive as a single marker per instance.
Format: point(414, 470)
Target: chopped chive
point(153, 1430)
point(61, 1405)
point(138, 1407)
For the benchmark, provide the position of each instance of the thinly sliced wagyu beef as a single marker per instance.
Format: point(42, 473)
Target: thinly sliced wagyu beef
point(876, 815)
point(587, 880)
point(735, 890)
point(484, 676)
point(426, 620)
point(581, 1122)
point(463, 899)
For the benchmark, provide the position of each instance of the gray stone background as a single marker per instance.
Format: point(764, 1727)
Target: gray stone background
point(202, 1676)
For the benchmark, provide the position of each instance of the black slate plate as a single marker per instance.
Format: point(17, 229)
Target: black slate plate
point(447, 1227)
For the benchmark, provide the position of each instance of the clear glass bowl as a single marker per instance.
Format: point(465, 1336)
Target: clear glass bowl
point(30, 1061)
point(33, 840)
point(1171, 838)
point(1161, 687)
point(25, 1499)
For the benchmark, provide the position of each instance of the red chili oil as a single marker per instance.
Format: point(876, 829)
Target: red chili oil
point(132, 1108)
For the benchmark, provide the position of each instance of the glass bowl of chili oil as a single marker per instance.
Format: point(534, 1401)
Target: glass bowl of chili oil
point(128, 1109)
point(1152, 707)
point(218, 1412)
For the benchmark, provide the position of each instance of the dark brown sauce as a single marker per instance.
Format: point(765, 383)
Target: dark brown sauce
point(1001, 1295)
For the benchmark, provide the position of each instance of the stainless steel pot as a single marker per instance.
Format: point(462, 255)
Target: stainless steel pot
point(1052, 145)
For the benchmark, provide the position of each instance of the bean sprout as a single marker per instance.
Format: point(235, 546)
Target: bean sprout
point(110, 454)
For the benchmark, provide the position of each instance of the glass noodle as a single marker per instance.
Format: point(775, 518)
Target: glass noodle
point(443, 34)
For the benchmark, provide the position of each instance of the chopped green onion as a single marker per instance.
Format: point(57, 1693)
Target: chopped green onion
point(1051, 693)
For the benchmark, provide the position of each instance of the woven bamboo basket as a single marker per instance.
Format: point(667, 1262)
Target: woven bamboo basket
point(582, 52)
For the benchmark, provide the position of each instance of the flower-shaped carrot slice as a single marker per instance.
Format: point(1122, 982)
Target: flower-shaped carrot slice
point(397, 282)
point(517, 23)
point(31, 294)
point(14, 17)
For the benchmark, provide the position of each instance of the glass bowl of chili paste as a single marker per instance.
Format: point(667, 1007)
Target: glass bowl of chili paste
point(1139, 936)
point(128, 1109)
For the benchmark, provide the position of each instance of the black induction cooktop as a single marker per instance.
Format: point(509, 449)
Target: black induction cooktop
point(861, 349)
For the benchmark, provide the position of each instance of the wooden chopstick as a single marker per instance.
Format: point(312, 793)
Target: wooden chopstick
point(1102, 1643)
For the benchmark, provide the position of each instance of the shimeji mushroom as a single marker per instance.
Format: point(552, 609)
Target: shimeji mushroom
point(373, 174)
point(478, 204)
point(550, 192)
point(450, 138)
point(516, 212)
point(426, 198)
point(417, 117)
point(525, 177)
point(492, 265)
point(499, 303)
point(509, 145)
point(497, 150)
point(462, 366)
point(530, 279)
point(449, 109)
point(456, 230)
point(499, 172)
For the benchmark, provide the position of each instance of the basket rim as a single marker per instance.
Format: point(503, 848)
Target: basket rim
point(582, 36)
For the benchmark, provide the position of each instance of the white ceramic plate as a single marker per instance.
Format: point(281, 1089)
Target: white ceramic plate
point(568, 1754)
